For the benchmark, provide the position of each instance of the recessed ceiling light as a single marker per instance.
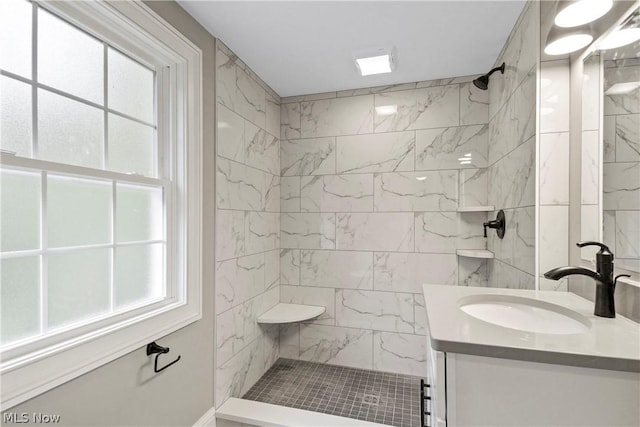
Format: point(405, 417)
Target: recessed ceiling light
point(568, 43)
point(580, 12)
point(620, 37)
point(622, 88)
point(376, 61)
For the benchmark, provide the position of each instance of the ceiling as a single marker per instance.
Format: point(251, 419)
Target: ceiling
point(302, 47)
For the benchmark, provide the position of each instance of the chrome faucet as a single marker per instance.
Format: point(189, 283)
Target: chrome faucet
point(605, 282)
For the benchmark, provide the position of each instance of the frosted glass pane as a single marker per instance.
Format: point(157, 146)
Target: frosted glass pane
point(69, 132)
point(131, 147)
point(78, 285)
point(139, 273)
point(139, 213)
point(79, 211)
point(19, 210)
point(15, 36)
point(131, 87)
point(15, 116)
point(69, 59)
point(20, 298)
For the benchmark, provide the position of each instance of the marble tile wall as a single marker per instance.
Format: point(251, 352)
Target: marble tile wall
point(247, 225)
point(511, 171)
point(370, 183)
point(621, 171)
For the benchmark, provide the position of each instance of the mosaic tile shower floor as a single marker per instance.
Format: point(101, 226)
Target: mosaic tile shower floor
point(373, 396)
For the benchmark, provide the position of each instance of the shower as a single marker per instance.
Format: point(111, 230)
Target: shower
point(482, 82)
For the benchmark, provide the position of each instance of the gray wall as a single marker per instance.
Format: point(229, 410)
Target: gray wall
point(126, 391)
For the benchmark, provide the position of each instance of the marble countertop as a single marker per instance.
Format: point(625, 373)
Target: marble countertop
point(608, 343)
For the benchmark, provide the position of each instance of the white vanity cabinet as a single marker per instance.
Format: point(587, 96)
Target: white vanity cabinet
point(469, 390)
point(486, 375)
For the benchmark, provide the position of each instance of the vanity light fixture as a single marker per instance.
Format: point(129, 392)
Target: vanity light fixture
point(579, 12)
point(622, 88)
point(378, 61)
point(620, 37)
point(563, 43)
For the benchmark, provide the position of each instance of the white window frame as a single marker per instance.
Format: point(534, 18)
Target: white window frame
point(135, 29)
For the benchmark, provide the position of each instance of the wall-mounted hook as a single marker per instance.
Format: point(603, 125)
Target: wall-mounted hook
point(156, 349)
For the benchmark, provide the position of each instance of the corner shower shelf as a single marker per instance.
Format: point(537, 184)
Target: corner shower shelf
point(475, 253)
point(288, 313)
point(476, 209)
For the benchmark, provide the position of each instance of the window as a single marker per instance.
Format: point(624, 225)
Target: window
point(100, 183)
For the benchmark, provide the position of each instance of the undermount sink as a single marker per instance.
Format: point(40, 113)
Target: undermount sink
point(524, 314)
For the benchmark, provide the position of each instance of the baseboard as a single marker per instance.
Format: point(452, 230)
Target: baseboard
point(208, 419)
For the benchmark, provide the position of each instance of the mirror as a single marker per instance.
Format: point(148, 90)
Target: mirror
point(610, 210)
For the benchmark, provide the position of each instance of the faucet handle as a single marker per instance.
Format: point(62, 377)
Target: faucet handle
point(603, 247)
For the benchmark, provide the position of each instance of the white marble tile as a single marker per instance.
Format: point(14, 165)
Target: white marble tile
point(590, 229)
point(590, 167)
point(472, 187)
point(443, 148)
point(554, 96)
point(524, 112)
point(375, 231)
point(437, 232)
point(272, 269)
point(554, 235)
point(502, 133)
point(621, 104)
point(609, 230)
point(337, 193)
point(290, 267)
point(400, 353)
point(238, 91)
point(309, 97)
point(290, 194)
point(337, 346)
point(239, 186)
point(420, 315)
point(628, 138)
point(230, 142)
point(503, 275)
point(237, 327)
point(271, 202)
point(262, 231)
point(232, 377)
point(290, 340)
point(324, 297)
point(512, 180)
point(251, 99)
point(407, 272)
point(385, 152)
point(554, 170)
point(470, 230)
point(419, 109)
point(273, 116)
point(517, 248)
point(609, 138)
point(472, 272)
point(338, 116)
point(628, 234)
point(238, 280)
point(416, 191)
point(290, 121)
point(474, 105)
point(337, 269)
point(315, 156)
point(621, 186)
point(591, 90)
point(380, 311)
point(308, 230)
point(235, 377)
point(229, 234)
point(261, 149)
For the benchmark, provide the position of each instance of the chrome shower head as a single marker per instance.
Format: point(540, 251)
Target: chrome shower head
point(482, 82)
